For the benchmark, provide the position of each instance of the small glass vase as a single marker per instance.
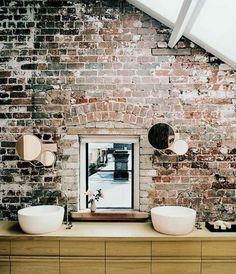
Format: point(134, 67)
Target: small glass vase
point(93, 206)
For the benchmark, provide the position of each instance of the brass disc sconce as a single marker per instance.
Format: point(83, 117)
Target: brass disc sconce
point(29, 148)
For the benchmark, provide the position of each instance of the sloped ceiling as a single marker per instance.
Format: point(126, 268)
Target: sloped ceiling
point(209, 23)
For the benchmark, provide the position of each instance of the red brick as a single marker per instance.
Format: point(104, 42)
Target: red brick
point(162, 72)
point(103, 70)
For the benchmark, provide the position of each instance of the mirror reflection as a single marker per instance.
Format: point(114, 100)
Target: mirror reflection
point(161, 136)
point(28, 147)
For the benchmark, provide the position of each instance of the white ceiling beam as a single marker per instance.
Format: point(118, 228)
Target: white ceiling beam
point(183, 19)
point(147, 7)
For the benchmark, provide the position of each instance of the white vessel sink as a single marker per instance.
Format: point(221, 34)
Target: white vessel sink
point(173, 220)
point(40, 219)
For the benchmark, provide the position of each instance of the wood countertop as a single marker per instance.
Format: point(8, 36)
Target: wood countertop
point(107, 231)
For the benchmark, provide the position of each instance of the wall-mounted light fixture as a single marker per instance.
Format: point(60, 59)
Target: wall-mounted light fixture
point(29, 148)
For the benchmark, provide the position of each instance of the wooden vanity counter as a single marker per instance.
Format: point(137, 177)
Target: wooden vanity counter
point(115, 248)
point(111, 230)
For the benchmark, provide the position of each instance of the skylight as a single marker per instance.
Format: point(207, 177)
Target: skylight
point(209, 23)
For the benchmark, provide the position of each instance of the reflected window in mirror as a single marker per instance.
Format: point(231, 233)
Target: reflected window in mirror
point(161, 136)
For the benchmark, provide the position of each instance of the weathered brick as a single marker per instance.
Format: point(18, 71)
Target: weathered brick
point(29, 66)
point(169, 52)
point(8, 144)
point(21, 115)
point(63, 74)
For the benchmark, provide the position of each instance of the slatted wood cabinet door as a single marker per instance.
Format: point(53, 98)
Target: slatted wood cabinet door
point(34, 265)
point(4, 257)
point(128, 257)
point(34, 257)
point(117, 256)
point(176, 257)
point(218, 257)
point(83, 257)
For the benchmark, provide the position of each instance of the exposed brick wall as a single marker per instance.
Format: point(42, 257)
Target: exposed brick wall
point(103, 67)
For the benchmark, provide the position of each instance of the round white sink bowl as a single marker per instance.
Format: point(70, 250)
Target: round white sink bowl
point(173, 220)
point(40, 219)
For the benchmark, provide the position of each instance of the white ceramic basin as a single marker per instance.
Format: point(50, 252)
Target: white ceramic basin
point(173, 220)
point(40, 219)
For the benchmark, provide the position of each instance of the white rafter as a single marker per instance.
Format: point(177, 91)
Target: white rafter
point(181, 23)
point(210, 24)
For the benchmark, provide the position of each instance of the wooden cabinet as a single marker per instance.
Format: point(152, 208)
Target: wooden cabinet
point(82, 248)
point(114, 256)
point(4, 265)
point(128, 249)
point(176, 257)
point(218, 267)
point(216, 249)
point(128, 257)
point(128, 266)
point(177, 249)
point(34, 256)
point(4, 248)
point(83, 257)
point(176, 267)
point(218, 257)
point(4, 257)
point(82, 266)
point(35, 265)
point(35, 248)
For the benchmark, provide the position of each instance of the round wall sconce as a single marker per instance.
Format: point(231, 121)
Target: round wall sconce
point(47, 158)
point(29, 148)
point(162, 136)
point(180, 147)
